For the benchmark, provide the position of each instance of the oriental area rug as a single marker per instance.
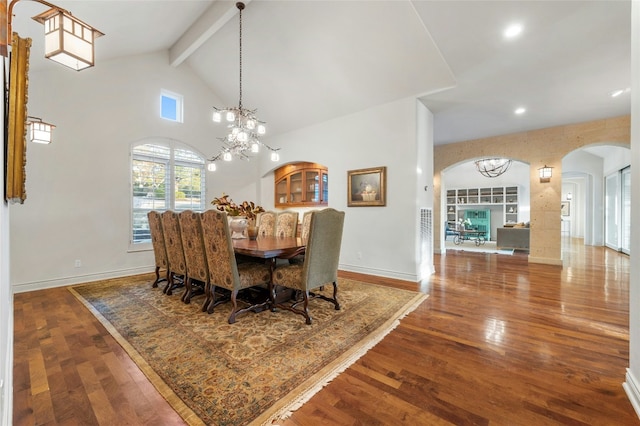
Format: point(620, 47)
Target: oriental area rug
point(255, 371)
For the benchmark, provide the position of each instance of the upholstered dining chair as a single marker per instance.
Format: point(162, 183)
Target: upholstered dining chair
point(287, 224)
point(175, 253)
point(320, 265)
point(306, 223)
point(194, 256)
point(159, 249)
point(224, 271)
point(266, 223)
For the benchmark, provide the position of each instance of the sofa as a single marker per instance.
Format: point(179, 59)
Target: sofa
point(513, 238)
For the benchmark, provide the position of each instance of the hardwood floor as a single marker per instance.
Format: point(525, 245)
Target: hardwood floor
point(499, 341)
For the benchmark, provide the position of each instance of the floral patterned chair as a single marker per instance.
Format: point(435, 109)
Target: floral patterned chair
point(224, 271)
point(195, 258)
point(320, 265)
point(159, 249)
point(266, 223)
point(287, 224)
point(175, 253)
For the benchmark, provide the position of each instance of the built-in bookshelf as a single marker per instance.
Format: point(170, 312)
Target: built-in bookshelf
point(505, 196)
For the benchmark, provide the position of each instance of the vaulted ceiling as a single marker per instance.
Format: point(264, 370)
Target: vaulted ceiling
point(305, 62)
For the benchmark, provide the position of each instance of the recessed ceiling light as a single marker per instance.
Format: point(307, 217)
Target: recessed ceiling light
point(513, 30)
point(520, 110)
point(619, 92)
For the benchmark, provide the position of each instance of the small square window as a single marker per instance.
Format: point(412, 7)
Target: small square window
point(171, 106)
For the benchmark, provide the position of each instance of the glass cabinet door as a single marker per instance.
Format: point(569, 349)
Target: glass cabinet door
point(312, 186)
point(295, 185)
point(325, 188)
point(281, 192)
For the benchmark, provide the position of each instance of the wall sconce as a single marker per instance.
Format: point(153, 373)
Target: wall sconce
point(39, 131)
point(545, 173)
point(569, 196)
point(67, 40)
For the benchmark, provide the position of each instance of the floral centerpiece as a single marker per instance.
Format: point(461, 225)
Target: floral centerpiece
point(465, 224)
point(246, 209)
point(246, 212)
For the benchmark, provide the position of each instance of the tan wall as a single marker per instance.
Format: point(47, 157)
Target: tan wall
point(537, 148)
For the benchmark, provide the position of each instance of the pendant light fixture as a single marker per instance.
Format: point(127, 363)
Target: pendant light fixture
point(493, 167)
point(245, 129)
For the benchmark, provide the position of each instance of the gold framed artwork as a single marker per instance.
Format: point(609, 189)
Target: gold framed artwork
point(367, 187)
point(565, 207)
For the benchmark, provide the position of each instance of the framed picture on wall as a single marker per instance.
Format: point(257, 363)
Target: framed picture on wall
point(564, 208)
point(366, 187)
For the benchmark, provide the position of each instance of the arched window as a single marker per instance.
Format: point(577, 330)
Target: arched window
point(164, 176)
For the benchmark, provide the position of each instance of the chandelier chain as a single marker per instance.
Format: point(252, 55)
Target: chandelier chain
point(240, 7)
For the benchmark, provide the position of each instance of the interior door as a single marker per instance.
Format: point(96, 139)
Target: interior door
point(625, 222)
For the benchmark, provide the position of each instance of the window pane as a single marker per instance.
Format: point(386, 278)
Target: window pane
point(169, 108)
point(149, 189)
point(162, 182)
point(189, 187)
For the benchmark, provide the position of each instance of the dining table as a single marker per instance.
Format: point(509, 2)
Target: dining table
point(269, 248)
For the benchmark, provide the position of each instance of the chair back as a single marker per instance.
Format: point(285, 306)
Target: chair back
point(218, 247)
point(322, 253)
point(306, 223)
point(287, 224)
point(157, 239)
point(193, 245)
point(266, 223)
point(173, 242)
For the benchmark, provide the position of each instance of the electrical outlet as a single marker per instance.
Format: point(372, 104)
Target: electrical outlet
point(78, 263)
point(359, 255)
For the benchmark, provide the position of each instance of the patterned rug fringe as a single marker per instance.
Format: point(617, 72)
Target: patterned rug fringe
point(314, 384)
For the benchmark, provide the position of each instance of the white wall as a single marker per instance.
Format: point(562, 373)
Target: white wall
point(78, 188)
point(376, 240)
point(6, 304)
point(632, 382)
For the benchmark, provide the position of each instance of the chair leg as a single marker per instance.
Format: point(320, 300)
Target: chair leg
point(167, 288)
point(155, 283)
point(234, 306)
point(186, 296)
point(207, 295)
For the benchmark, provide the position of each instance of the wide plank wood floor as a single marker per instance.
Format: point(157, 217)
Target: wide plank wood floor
point(499, 341)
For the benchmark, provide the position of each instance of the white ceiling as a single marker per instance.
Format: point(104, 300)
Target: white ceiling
point(305, 62)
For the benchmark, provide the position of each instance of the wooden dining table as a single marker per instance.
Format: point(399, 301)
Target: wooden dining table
point(267, 247)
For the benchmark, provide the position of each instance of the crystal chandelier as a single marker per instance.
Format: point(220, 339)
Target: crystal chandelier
point(244, 127)
point(493, 167)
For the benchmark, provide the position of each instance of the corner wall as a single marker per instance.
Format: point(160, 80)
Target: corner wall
point(537, 148)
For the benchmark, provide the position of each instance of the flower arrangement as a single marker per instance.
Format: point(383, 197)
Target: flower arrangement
point(466, 223)
point(247, 209)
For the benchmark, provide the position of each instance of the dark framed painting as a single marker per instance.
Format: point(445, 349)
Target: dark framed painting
point(565, 208)
point(367, 187)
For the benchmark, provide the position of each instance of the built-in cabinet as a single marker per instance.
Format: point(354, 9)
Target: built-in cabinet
point(301, 185)
point(480, 221)
point(467, 198)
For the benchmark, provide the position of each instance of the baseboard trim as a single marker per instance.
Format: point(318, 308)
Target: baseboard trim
point(545, 260)
point(380, 273)
point(632, 388)
point(79, 279)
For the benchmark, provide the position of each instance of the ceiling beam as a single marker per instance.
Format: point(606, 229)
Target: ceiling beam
point(204, 28)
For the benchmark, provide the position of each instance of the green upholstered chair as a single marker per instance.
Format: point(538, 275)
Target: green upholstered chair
point(195, 258)
point(224, 271)
point(320, 265)
point(287, 224)
point(159, 249)
point(266, 223)
point(175, 253)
